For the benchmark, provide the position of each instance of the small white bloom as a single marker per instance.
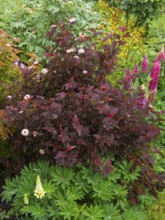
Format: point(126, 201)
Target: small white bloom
point(53, 26)
point(44, 71)
point(85, 72)
point(72, 20)
point(25, 132)
point(41, 151)
point(31, 67)
point(54, 71)
point(20, 112)
point(81, 51)
point(35, 62)
point(8, 45)
point(9, 97)
point(27, 97)
point(69, 50)
point(77, 57)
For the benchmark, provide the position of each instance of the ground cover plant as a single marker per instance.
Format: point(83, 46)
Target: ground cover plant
point(52, 192)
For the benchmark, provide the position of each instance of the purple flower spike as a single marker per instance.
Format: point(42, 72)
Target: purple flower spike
point(161, 56)
point(136, 69)
point(145, 65)
point(142, 100)
point(155, 70)
point(152, 96)
point(154, 81)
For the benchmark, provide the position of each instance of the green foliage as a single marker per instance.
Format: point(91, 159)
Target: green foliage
point(70, 193)
point(30, 21)
point(142, 10)
point(8, 55)
point(157, 210)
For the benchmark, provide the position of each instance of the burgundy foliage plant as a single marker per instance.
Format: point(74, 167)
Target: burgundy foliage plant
point(70, 113)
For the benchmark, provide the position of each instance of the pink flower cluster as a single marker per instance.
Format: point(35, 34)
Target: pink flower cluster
point(145, 65)
point(142, 100)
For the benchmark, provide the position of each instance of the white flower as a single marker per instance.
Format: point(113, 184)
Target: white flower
point(31, 67)
point(35, 62)
point(25, 132)
point(81, 51)
point(20, 112)
point(85, 72)
point(77, 57)
point(39, 191)
point(53, 26)
point(72, 20)
point(8, 45)
point(9, 97)
point(44, 71)
point(27, 97)
point(41, 151)
point(69, 50)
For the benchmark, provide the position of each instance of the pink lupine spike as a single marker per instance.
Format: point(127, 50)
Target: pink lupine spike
point(136, 69)
point(154, 76)
point(161, 55)
point(145, 65)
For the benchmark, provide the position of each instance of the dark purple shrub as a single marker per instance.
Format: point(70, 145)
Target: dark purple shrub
point(71, 114)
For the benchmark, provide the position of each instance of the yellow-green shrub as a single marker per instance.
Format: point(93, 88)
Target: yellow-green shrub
point(8, 55)
point(113, 19)
point(157, 210)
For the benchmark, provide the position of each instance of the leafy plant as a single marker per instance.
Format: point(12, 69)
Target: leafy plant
point(8, 55)
point(30, 21)
point(70, 114)
point(142, 10)
point(157, 211)
point(133, 48)
point(96, 200)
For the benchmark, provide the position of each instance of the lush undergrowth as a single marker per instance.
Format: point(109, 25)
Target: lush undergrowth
point(81, 110)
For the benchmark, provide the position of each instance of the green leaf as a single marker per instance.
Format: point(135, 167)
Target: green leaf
point(93, 212)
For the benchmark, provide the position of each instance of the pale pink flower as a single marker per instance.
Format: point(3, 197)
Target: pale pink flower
point(80, 51)
point(9, 97)
point(70, 50)
point(85, 71)
point(27, 97)
point(145, 64)
point(44, 71)
point(72, 20)
point(25, 132)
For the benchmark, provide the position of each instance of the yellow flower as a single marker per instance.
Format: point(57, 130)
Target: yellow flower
point(39, 191)
point(26, 200)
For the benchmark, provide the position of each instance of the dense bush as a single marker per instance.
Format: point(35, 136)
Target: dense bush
point(8, 55)
point(30, 20)
point(157, 210)
point(142, 10)
point(48, 192)
point(133, 48)
point(70, 114)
